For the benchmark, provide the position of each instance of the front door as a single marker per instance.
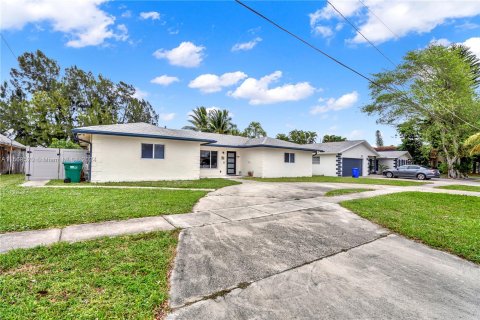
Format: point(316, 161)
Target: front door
point(231, 163)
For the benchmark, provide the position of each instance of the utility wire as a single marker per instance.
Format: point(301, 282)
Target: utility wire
point(378, 18)
point(390, 89)
point(360, 33)
point(8, 46)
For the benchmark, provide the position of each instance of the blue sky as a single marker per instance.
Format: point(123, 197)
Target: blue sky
point(180, 55)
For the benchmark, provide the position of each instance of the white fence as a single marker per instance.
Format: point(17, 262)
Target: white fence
point(47, 163)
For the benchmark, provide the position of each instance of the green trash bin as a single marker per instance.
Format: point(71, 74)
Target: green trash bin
point(73, 170)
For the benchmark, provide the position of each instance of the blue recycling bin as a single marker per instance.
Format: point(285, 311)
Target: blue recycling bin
point(355, 172)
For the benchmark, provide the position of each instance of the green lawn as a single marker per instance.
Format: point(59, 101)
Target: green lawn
point(36, 208)
point(461, 187)
point(445, 221)
point(390, 182)
point(205, 183)
point(110, 278)
point(341, 192)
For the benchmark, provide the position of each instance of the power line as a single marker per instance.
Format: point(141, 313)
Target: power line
point(391, 90)
point(8, 46)
point(359, 32)
point(378, 18)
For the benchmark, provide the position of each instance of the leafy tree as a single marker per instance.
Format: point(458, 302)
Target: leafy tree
point(436, 89)
point(199, 119)
point(254, 130)
point(299, 136)
point(220, 121)
point(379, 138)
point(40, 103)
point(282, 136)
point(63, 144)
point(332, 138)
point(412, 142)
point(473, 144)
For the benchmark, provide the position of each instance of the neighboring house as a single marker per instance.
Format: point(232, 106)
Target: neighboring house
point(12, 154)
point(338, 158)
point(140, 151)
point(393, 159)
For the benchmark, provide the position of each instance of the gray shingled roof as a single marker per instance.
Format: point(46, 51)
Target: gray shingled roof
point(211, 139)
point(6, 141)
point(392, 154)
point(339, 147)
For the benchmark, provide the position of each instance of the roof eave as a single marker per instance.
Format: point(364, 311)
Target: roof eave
point(140, 135)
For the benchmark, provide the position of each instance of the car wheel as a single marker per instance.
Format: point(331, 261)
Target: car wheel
point(421, 176)
point(389, 175)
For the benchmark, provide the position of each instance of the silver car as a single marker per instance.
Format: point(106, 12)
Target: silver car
point(412, 171)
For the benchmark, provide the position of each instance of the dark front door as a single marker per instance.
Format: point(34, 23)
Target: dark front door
point(231, 163)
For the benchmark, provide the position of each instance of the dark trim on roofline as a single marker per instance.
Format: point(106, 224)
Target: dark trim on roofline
point(141, 135)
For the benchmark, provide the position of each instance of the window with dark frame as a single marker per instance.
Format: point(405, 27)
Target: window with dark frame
point(153, 151)
point(315, 160)
point(289, 157)
point(208, 159)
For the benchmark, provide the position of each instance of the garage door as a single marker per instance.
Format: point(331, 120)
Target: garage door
point(348, 164)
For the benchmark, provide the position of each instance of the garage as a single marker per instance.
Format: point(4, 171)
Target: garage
point(349, 163)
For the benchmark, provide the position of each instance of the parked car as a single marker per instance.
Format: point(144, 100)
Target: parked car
point(412, 171)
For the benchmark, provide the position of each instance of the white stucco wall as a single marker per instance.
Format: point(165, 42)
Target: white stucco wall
point(252, 160)
point(386, 162)
point(275, 166)
point(360, 152)
point(117, 158)
point(221, 170)
point(327, 166)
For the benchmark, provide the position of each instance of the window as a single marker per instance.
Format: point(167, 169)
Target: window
point(153, 151)
point(208, 159)
point(315, 160)
point(289, 157)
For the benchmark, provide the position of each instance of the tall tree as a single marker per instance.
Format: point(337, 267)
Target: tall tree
point(199, 120)
point(220, 121)
point(282, 136)
point(332, 138)
point(254, 130)
point(473, 144)
point(40, 103)
point(436, 88)
point(412, 142)
point(378, 138)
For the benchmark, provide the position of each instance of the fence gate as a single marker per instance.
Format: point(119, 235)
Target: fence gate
point(47, 163)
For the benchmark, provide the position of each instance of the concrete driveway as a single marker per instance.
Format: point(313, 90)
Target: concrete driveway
point(281, 251)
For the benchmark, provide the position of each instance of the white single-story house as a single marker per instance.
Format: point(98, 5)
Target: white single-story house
point(393, 159)
point(141, 151)
point(338, 158)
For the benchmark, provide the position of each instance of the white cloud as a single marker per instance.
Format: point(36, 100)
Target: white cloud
point(258, 91)
point(154, 15)
point(164, 80)
point(332, 104)
point(245, 46)
point(323, 31)
point(140, 94)
point(167, 116)
point(402, 16)
point(126, 14)
point(474, 45)
point(83, 22)
point(186, 54)
point(209, 83)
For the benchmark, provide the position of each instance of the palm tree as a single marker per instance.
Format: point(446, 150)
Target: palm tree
point(254, 130)
point(199, 118)
point(473, 143)
point(220, 121)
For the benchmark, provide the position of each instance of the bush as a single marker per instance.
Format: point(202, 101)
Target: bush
point(443, 168)
point(63, 144)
